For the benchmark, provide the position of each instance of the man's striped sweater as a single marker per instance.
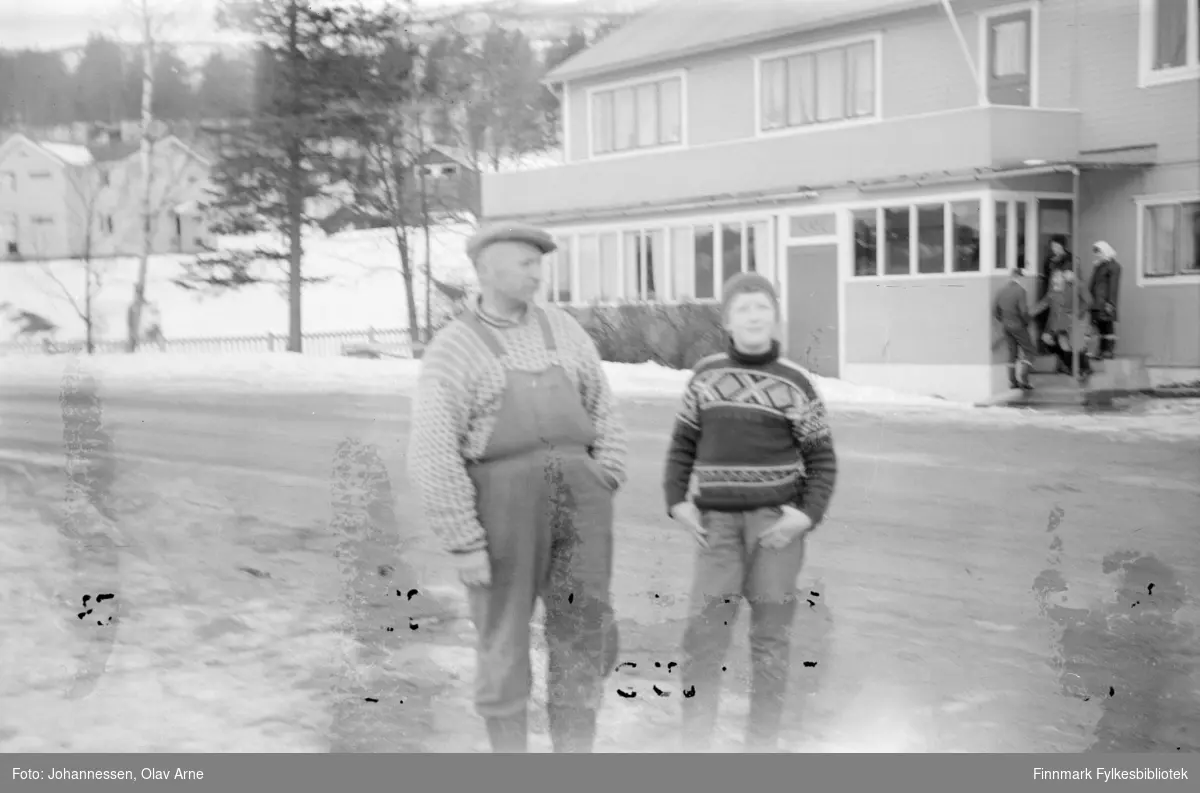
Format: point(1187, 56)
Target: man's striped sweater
point(753, 431)
point(458, 396)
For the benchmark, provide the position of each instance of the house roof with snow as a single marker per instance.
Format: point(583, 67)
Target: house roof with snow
point(680, 28)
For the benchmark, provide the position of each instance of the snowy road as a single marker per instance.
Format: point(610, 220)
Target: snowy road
point(978, 587)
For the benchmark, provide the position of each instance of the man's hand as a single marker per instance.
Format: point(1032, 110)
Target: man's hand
point(791, 525)
point(474, 568)
point(686, 514)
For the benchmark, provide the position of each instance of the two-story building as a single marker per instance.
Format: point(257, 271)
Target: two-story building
point(63, 200)
point(886, 162)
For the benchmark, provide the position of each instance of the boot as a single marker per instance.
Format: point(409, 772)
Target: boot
point(509, 734)
point(572, 730)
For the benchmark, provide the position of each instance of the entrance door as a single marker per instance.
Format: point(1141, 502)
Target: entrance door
point(1054, 216)
point(812, 302)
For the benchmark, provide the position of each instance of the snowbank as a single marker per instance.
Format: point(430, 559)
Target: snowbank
point(280, 372)
point(365, 288)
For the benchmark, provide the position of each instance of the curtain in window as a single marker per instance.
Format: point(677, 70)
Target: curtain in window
point(801, 91)
point(1189, 239)
point(683, 285)
point(703, 262)
point(1160, 240)
point(758, 248)
point(774, 94)
point(731, 251)
point(1010, 52)
point(589, 268)
point(1170, 33)
point(656, 262)
point(632, 262)
point(610, 285)
point(831, 85)
point(602, 122)
point(670, 107)
point(1002, 235)
point(624, 114)
point(562, 284)
point(860, 80)
point(647, 115)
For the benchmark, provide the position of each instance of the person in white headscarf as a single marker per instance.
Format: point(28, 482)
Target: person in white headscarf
point(1104, 290)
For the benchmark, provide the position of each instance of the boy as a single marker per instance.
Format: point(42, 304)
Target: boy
point(753, 431)
point(1011, 310)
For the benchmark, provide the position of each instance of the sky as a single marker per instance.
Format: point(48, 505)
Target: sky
point(54, 24)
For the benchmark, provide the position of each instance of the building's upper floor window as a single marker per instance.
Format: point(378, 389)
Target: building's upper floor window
point(8, 182)
point(819, 85)
point(639, 115)
point(1169, 41)
point(1009, 44)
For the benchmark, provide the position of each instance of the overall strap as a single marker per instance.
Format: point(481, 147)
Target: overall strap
point(490, 340)
point(547, 334)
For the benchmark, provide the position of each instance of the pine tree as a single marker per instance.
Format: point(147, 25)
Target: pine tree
point(276, 161)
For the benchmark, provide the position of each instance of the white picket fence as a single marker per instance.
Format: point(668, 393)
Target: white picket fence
point(326, 344)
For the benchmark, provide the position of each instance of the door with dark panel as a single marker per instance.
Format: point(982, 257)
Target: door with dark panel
point(813, 323)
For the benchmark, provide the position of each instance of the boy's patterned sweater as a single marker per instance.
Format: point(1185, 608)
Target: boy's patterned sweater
point(459, 392)
point(753, 430)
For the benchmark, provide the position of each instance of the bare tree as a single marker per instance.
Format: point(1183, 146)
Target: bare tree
point(87, 186)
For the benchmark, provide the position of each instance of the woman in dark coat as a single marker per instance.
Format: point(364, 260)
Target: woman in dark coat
point(1058, 257)
point(1104, 289)
point(1065, 302)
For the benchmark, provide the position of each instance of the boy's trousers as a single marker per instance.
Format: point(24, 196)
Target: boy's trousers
point(733, 566)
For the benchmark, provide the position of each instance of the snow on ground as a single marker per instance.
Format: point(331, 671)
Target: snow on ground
point(286, 373)
point(365, 290)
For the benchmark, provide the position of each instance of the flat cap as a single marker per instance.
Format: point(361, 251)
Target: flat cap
point(510, 232)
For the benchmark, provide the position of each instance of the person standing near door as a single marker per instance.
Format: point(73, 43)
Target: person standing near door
point(517, 450)
point(1105, 287)
point(753, 439)
point(1058, 258)
point(1011, 310)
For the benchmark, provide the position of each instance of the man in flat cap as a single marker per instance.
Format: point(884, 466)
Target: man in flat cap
point(517, 451)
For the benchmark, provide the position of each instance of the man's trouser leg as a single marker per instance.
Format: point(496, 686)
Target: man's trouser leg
point(771, 589)
point(1013, 355)
point(581, 630)
point(511, 497)
point(717, 582)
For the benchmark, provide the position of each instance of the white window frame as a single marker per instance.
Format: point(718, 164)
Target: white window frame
point(1148, 76)
point(1011, 201)
point(984, 66)
point(635, 82)
point(1143, 203)
point(876, 116)
point(666, 293)
point(911, 203)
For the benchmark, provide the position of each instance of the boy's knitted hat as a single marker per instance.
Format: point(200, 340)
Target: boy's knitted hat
point(747, 282)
